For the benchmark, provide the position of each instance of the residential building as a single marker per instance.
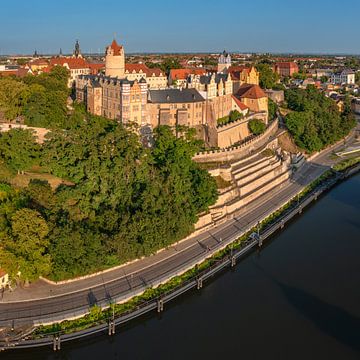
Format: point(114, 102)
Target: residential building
point(346, 76)
point(286, 69)
point(179, 77)
point(76, 66)
point(155, 78)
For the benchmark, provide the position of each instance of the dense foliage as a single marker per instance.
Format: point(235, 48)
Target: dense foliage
point(315, 121)
point(268, 78)
point(126, 201)
point(272, 109)
point(40, 99)
point(256, 126)
point(232, 117)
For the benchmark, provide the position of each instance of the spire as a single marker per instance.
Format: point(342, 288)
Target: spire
point(60, 52)
point(77, 51)
point(35, 54)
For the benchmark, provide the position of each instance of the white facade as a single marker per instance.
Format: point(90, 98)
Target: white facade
point(344, 77)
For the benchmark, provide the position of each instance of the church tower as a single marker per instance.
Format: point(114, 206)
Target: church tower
point(224, 62)
point(115, 61)
point(77, 51)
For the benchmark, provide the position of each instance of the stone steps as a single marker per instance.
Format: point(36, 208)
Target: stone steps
point(259, 175)
point(256, 172)
point(242, 173)
point(257, 192)
point(249, 167)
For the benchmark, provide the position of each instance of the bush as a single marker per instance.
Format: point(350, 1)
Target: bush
point(256, 126)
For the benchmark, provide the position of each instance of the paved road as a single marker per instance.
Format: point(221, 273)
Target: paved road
point(46, 303)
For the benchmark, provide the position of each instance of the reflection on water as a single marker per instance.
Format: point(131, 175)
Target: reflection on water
point(296, 299)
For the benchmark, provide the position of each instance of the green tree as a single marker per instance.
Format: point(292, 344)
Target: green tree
point(13, 97)
point(268, 78)
point(272, 108)
point(19, 149)
point(24, 252)
point(256, 126)
point(315, 121)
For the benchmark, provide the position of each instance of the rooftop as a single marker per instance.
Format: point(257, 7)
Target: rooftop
point(175, 96)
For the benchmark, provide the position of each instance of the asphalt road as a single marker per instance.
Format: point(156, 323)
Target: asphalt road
point(49, 303)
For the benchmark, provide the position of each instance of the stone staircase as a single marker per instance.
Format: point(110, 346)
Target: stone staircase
point(252, 177)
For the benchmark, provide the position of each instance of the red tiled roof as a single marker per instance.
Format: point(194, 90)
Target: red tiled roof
point(142, 68)
point(287, 64)
point(73, 63)
point(39, 62)
point(239, 103)
point(182, 74)
point(116, 48)
point(95, 68)
point(136, 68)
point(21, 72)
point(250, 91)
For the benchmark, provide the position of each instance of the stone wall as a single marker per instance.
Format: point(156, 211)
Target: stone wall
point(237, 152)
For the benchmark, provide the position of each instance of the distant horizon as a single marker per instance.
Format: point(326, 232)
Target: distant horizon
point(190, 26)
point(275, 53)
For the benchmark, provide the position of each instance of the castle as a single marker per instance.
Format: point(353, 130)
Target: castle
point(133, 93)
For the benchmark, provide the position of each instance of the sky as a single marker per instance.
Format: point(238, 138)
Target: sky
point(279, 26)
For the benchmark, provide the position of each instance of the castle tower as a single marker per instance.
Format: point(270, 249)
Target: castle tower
point(115, 61)
point(224, 62)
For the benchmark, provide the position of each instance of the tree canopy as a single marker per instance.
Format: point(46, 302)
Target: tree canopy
point(268, 78)
point(126, 201)
point(315, 121)
point(41, 99)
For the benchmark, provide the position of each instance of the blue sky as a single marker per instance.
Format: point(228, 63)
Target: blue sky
point(325, 26)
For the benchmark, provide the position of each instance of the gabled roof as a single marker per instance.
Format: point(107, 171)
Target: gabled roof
point(73, 63)
point(239, 103)
point(250, 91)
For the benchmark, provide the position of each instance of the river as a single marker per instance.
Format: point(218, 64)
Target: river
point(298, 298)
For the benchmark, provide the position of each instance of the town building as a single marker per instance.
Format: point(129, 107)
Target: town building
point(286, 68)
point(76, 66)
point(155, 78)
point(343, 77)
point(179, 77)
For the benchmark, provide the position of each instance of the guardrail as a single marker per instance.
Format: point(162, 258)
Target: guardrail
point(195, 282)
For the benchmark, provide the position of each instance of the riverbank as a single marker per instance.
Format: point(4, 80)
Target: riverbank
point(156, 298)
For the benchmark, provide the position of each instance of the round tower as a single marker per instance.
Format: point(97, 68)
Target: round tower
point(115, 60)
